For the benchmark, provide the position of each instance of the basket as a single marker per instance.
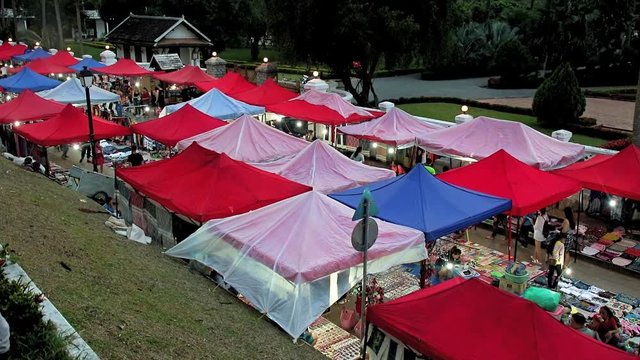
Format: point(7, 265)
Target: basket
point(517, 279)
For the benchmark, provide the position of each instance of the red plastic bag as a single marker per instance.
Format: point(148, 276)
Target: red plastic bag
point(348, 319)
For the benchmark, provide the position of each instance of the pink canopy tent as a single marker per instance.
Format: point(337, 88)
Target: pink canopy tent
point(247, 139)
point(396, 128)
point(326, 169)
point(323, 108)
point(294, 258)
point(188, 75)
point(483, 136)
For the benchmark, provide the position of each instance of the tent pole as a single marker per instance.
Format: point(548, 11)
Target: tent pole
point(509, 237)
point(515, 251)
point(575, 235)
point(47, 172)
point(414, 155)
point(115, 188)
point(363, 293)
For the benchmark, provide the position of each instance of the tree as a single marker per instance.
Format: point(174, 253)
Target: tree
point(559, 99)
point(254, 23)
point(56, 6)
point(351, 37)
point(636, 116)
point(512, 60)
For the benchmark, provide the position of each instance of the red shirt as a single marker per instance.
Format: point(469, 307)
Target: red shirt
point(604, 327)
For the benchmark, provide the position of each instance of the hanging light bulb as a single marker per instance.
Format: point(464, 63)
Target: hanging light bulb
point(325, 132)
point(16, 124)
point(613, 203)
point(76, 147)
point(137, 83)
point(374, 145)
point(37, 43)
point(146, 109)
point(449, 266)
point(9, 97)
point(390, 151)
point(299, 124)
point(10, 39)
point(568, 271)
point(68, 77)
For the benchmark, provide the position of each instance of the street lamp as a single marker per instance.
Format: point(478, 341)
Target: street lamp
point(86, 79)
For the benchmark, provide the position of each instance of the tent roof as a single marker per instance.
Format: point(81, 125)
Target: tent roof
point(184, 123)
point(326, 169)
point(231, 83)
point(27, 79)
point(266, 94)
point(247, 139)
point(230, 187)
point(505, 176)
point(493, 323)
point(62, 58)
point(43, 67)
point(7, 52)
point(618, 175)
point(422, 201)
point(123, 67)
point(72, 92)
point(38, 53)
point(483, 136)
point(188, 75)
point(597, 159)
point(28, 106)
point(88, 62)
point(323, 108)
point(284, 237)
point(71, 125)
point(396, 128)
point(215, 103)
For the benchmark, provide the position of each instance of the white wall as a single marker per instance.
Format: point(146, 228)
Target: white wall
point(181, 32)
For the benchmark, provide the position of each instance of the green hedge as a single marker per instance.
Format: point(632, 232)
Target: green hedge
point(31, 336)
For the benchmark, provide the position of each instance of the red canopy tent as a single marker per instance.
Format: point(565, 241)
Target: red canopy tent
point(473, 320)
point(123, 67)
point(184, 123)
point(7, 51)
point(188, 75)
point(618, 175)
point(28, 106)
point(207, 185)
point(44, 67)
point(230, 84)
point(63, 58)
point(268, 93)
point(71, 125)
point(587, 163)
point(505, 176)
point(323, 108)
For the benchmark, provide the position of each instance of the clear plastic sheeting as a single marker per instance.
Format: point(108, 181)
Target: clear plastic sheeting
point(294, 258)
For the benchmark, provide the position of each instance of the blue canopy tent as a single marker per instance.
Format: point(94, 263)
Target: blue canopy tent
point(27, 79)
point(38, 53)
point(88, 62)
point(423, 202)
point(215, 103)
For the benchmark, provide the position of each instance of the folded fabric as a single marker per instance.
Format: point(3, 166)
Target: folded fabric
point(613, 252)
point(606, 294)
point(621, 261)
point(605, 256)
point(595, 289)
point(628, 243)
point(612, 236)
point(633, 251)
point(598, 246)
point(605, 242)
point(628, 299)
point(582, 286)
point(618, 247)
point(590, 251)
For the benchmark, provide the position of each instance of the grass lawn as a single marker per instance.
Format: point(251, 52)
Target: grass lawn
point(89, 49)
point(244, 54)
point(448, 111)
point(127, 300)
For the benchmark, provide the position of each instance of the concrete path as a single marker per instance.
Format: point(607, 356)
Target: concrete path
point(610, 113)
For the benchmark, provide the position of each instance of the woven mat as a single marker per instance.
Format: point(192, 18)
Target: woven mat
point(334, 342)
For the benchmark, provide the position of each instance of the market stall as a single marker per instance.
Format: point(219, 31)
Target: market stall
point(43, 67)
point(325, 169)
point(231, 83)
point(62, 58)
point(27, 79)
point(123, 67)
point(422, 201)
point(189, 75)
point(72, 92)
point(483, 136)
point(249, 140)
point(294, 258)
point(215, 103)
point(206, 185)
point(179, 125)
point(37, 53)
point(494, 325)
point(28, 106)
point(89, 62)
point(268, 93)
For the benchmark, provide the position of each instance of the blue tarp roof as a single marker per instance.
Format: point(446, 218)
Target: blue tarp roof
point(38, 53)
point(27, 79)
point(423, 202)
point(88, 62)
point(215, 103)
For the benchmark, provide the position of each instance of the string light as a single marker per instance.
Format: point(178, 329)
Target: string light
point(76, 147)
point(613, 202)
point(16, 124)
point(390, 151)
point(374, 145)
point(299, 124)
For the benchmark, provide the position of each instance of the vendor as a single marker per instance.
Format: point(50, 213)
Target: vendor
point(606, 325)
point(440, 271)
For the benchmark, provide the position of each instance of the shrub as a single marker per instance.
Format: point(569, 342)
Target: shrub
point(31, 336)
point(619, 144)
point(559, 100)
point(512, 60)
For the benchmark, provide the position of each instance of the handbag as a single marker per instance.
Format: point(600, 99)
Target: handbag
point(552, 262)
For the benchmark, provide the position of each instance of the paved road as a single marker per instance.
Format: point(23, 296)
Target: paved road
point(412, 86)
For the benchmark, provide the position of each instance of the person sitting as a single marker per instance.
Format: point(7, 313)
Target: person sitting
point(578, 322)
point(606, 325)
point(397, 168)
point(454, 255)
point(135, 159)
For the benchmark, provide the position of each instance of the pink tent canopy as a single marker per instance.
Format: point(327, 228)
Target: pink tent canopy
point(396, 128)
point(247, 139)
point(326, 169)
point(483, 136)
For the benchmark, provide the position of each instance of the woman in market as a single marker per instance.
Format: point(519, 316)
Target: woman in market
point(568, 230)
point(606, 325)
point(538, 234)
point(555, 260)
point(99, 157)
point(357, 155)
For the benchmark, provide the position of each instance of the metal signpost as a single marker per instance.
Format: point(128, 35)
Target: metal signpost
point(363, 237)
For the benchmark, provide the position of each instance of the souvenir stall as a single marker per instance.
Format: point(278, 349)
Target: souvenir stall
point(494, 325)
point(230, 84)
point(37, 53)
point(249, 140)
point(268, 93)
point(217, 104)
point(27, 79)
point(189, 75)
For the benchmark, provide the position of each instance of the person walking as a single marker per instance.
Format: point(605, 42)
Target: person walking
point(86, 150)
point(555, 260)
point(569, 231)
point(538, 234)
